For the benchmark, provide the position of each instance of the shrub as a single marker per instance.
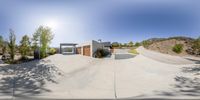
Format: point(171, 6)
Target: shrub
point(24, 58)
point(178, 48)
point(195, 48)
point(100, 53)
point(52, 51)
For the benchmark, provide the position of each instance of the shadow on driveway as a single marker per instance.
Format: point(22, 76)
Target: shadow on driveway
point(193, 60)
point(27, 79)
point(184, 86)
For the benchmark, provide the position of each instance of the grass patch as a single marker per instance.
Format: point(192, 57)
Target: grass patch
point(133, 51)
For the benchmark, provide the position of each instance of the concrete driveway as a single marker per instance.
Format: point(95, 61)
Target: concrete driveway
point(135, 77)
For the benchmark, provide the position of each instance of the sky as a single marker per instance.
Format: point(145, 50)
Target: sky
point(77, 21)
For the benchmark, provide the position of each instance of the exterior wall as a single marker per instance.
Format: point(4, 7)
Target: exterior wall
point(78, 50)
point(94, 45)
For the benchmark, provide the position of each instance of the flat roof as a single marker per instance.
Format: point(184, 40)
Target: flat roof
point(69, 44)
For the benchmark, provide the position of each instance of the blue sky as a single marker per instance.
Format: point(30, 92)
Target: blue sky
point(110, 20)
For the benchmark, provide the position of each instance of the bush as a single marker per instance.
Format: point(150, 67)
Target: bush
point(196, 47)
point(100, 53)
point(23, 58)
point(178, 48)
point(52, 51)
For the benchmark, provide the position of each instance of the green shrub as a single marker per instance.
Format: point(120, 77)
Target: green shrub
point(196, 46)
point(178, 48)
point(52, 51)
point(100, 53)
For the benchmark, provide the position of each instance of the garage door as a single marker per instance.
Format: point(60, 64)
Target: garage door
point(78, 50)
point(86, 50)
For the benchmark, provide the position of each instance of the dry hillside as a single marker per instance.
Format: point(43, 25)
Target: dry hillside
point(166, 45)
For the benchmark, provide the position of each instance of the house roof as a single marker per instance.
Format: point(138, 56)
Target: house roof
point(68, 44)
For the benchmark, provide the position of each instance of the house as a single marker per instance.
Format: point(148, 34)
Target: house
point(86, 49)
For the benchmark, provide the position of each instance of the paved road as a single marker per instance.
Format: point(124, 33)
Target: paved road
point(169, 59)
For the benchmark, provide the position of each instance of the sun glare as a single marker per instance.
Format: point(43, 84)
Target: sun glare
point(53, 24)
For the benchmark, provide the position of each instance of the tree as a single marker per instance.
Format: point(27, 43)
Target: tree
point(146, 43)
point(125, 45)
point(25, 46)
point(115, 44)
point(4, 48)
point(3, 45)
point(130, 44)
point(43, 35)
point(120, 45)
point(11, 44)
point(137, 44)
point(1, 41)
point(36, 40)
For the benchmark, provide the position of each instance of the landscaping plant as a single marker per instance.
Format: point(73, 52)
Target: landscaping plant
point(178, 48)
point(100, 53)
point(52, 51)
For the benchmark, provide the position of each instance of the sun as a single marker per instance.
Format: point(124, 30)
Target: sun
point(51, 23)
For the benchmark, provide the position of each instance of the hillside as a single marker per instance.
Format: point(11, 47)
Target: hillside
point(165, 45)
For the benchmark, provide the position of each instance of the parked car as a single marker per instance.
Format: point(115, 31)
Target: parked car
point(6, 57)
